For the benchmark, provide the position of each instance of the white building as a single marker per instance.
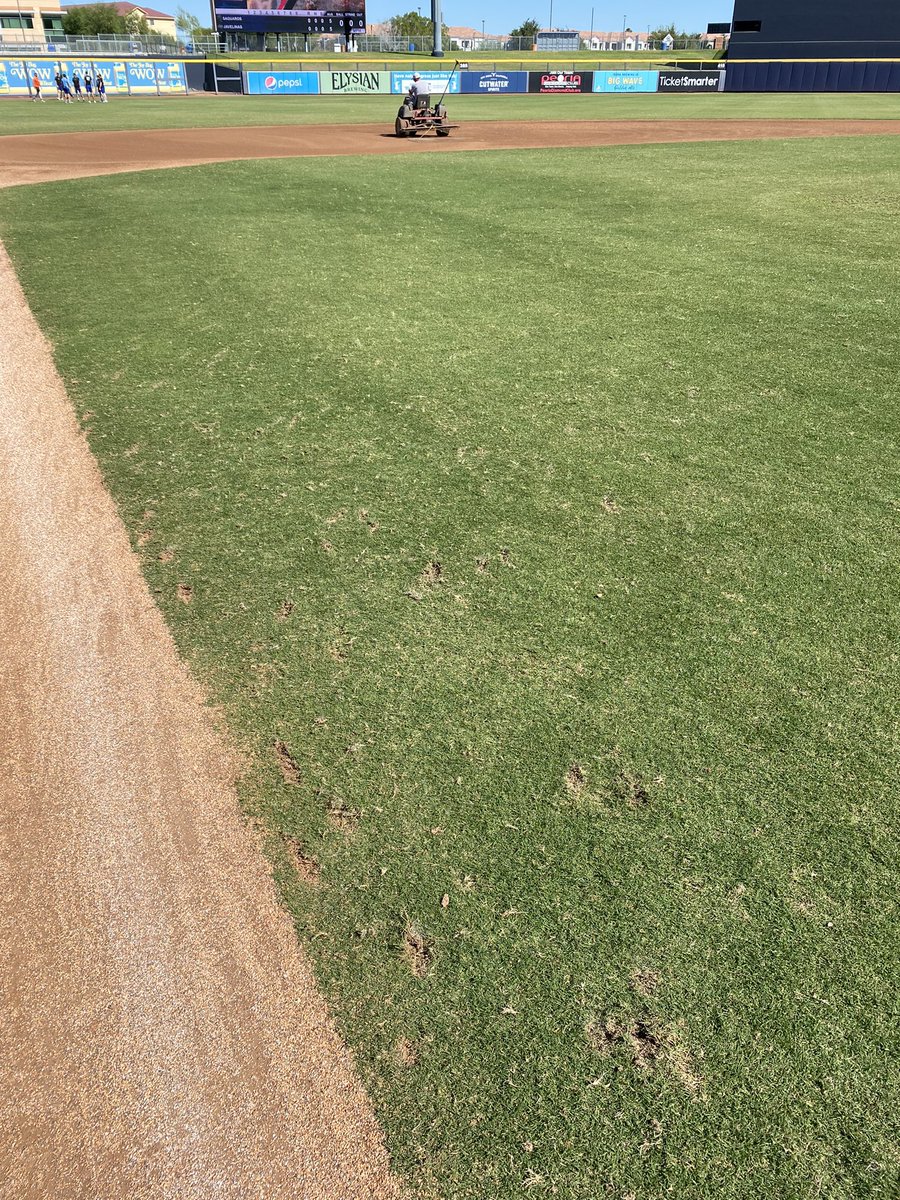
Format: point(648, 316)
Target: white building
point(619, 39)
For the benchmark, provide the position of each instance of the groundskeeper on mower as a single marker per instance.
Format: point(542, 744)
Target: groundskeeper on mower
point(417, 114)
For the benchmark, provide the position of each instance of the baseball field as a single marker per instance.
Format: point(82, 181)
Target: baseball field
point(530, 516)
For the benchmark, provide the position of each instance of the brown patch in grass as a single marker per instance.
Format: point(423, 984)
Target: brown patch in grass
point(575, 779)
point(185, 593)
point(603, 1036)
point(371, 526)
point(432, 573)
point(650, 1047)
point(406, 1052)
point(166, 556)
point(342, 818)
point(306, 865)
point(645, 981)
point(285, 608)
point(629, 787)
point(506, 558)
point(646, 1045)
point(481, 565)
point(145, 536)
point(609, 506)
point(335, 517)
point(287, 764)
point(418, 951)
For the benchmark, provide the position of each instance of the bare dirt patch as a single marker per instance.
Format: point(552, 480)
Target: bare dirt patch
point(647, 1045)
point(305, 864)
point(418, 951)
point(406, 1052)
point(575, 779)
point(287, 764)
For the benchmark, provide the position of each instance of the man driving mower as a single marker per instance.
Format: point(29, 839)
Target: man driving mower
point(416, 113)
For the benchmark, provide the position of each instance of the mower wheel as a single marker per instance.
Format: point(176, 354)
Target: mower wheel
point(442, 132)
point(400, 128)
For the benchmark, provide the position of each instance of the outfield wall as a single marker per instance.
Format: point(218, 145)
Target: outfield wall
point(122, 76)
point(806, 75)
point(472, 83)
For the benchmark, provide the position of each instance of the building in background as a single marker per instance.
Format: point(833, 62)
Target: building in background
point(158, 22)
point(25, 23)
point(462, 37)
point(815, 29)
point(617, 40)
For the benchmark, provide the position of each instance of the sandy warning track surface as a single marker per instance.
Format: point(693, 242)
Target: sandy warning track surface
point(161, 1035)
point(41, 157)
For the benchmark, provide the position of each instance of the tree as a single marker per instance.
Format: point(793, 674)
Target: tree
point(528, 30)
point(410, 26)
point(190, 25)
point(136, 23)
point(87, 20)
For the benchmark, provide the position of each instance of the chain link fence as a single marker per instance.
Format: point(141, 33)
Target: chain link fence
point(139, 45)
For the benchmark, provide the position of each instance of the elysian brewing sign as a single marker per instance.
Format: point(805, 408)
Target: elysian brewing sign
point(349, 83)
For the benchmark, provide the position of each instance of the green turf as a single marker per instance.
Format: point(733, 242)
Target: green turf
point(23, 116)
point(544, 507)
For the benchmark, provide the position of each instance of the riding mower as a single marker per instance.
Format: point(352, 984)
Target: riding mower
point(416, 115)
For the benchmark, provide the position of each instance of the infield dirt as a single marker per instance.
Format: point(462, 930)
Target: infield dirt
point(162, 1034)
point(39, 158)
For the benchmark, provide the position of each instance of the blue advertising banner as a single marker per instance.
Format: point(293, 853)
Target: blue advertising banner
point(625, 81)
point(493, 83)
point(18, 74)
point(146, 77)
point(436, 81)
point(281, 83)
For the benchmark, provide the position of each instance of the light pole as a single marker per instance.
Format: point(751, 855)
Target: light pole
point(624, 24)
point(592, 30)
point(550, 26)
point(437, 28)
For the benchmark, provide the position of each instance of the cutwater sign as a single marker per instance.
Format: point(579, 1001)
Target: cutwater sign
point(625, 81)
point(281, 83)
point(494, 83)
point(354, 83)
point(436, 81)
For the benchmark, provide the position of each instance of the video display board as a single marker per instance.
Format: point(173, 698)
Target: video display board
point(291, 16)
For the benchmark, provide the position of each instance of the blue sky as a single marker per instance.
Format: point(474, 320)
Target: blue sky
point(502, 15)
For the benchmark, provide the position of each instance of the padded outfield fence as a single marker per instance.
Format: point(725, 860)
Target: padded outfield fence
point(173, 76)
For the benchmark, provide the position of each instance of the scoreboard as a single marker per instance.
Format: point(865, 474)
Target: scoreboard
point(291, 16)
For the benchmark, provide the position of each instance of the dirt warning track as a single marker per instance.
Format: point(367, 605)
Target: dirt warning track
point(161, 1033)
point(39, 158)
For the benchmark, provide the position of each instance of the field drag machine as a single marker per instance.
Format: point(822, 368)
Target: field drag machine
point(417, 114)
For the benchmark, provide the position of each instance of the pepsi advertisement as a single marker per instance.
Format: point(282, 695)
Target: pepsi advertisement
point(281, 83)
point(291, 16)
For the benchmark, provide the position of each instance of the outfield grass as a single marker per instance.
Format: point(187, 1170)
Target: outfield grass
point(541, 517)
point(193, 112)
